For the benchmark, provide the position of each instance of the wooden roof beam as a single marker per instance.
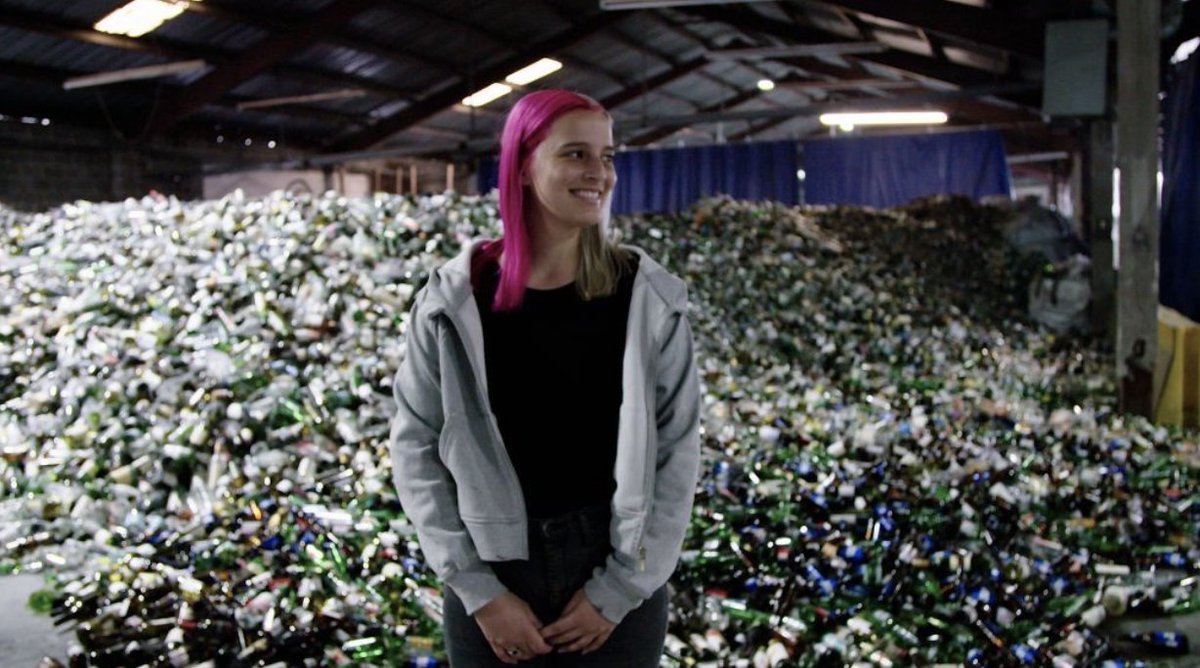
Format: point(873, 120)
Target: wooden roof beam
point(1012, 34)
point(665, 131)
point(252, 62)
point(52, 26)
point(440, 100)
point(270, 22)
point(55, 77)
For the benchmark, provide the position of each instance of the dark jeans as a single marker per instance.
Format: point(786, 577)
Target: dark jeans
point(562, 554)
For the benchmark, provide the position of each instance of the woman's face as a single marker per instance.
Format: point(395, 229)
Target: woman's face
point(571, 173)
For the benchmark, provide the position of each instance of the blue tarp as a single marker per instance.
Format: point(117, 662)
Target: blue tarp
point(669, 180)
point(1179, 240)
point(891, 170)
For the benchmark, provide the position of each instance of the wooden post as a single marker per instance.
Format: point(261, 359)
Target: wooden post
point(1098, 222)
point(1137, 158)
point(412, 179)
point(449, 177)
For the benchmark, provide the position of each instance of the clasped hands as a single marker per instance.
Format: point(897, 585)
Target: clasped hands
point(516, 634)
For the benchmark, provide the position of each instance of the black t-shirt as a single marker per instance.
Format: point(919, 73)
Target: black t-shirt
point(554, 380)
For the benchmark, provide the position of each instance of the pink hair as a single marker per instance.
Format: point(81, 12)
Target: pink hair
point(527, 125)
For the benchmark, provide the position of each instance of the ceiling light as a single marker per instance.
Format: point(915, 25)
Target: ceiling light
point(766, 84)
point(139, 17)
point(531, 73)
point(485, 95)
point(1185, 50)
point(885, 118)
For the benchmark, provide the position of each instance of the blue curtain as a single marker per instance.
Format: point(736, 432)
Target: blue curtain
point(888, 171)
point(1179, 240)
point(669, 180)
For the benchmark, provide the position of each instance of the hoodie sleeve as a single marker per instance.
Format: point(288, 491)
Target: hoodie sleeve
point(625, 582)
point(426, 489)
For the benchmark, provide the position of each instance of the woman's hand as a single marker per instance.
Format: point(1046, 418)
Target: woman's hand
point(580, 628)
point(511, 628)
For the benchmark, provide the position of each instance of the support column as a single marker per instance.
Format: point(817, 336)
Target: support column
point(1137, 158)
point(1098, 221)
point(327, 172)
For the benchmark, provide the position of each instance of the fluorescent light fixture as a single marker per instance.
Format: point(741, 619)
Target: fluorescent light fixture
point(885, 118)
point(133, 73)
point(651, 4)
point(766, 84)
point(139, 17)
point(531, 73)
point(1185, 50)
point(1048, 156)
point(342, 94)
point(485, 95)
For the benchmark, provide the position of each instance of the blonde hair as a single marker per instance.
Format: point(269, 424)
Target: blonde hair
point(602, 263)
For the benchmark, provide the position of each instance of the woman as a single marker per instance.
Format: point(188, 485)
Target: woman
point(546, 440)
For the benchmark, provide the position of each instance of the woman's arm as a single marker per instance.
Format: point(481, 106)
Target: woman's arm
point(627, 580)
point(426, 489)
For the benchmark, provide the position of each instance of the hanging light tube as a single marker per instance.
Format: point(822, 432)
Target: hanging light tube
point(884, 118)
point(530, 73)
point(487, 94)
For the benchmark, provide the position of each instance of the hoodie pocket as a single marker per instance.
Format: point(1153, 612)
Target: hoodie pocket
point(481, 491)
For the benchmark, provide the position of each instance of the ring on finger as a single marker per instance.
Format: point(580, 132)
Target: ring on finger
point(513, 651)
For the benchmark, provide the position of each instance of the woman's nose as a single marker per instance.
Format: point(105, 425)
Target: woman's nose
point(594, 170)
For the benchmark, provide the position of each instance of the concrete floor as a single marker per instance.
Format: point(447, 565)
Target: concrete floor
point(25, 637)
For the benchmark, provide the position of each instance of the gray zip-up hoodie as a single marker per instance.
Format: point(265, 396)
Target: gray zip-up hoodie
point(458, 486)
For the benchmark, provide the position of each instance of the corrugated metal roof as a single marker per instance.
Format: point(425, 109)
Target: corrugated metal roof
point(32, 48)
point(77, 10)
point(211, 32)
point(404, 52)
point(406, 75)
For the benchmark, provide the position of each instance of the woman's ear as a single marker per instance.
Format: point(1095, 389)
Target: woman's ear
point(525, 180)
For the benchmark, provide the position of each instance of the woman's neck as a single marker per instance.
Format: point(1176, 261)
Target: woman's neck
point(555, 257)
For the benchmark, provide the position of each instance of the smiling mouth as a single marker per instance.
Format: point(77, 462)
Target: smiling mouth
point(592, 196)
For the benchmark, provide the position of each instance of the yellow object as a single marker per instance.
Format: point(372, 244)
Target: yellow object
point(1177, 370)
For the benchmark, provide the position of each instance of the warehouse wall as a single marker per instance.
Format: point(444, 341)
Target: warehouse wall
point(262, 183)
point(41, 167)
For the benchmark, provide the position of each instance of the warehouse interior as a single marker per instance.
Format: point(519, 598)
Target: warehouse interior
point(950, 361)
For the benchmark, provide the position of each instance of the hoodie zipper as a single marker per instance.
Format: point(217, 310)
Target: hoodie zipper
point(651, 435)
